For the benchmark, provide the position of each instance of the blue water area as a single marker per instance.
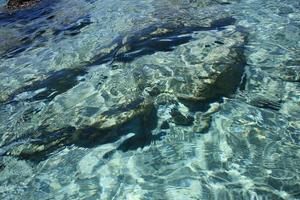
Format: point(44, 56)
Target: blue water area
point(169, 99)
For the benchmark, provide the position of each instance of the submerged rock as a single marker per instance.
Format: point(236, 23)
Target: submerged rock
point(111, 94)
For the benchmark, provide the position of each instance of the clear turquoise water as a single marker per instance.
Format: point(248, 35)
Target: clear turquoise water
point(57, 57)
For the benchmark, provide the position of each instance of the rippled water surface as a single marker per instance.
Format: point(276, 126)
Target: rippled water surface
point(168, 99)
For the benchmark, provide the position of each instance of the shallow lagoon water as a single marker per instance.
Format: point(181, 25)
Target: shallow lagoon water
point(98, 100)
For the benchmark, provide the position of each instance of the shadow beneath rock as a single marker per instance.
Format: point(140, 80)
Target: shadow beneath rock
point(40, 147)
point(141, 126)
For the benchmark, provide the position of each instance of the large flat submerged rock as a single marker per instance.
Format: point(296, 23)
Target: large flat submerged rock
point(109, 95)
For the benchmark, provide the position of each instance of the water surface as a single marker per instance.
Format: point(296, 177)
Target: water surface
point(150, 100)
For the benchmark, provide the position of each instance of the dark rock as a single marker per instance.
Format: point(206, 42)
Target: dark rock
point(180, 119)
point(20, 4)
point(165, 125)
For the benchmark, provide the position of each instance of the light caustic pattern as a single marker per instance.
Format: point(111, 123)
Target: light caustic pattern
point(150, 100)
